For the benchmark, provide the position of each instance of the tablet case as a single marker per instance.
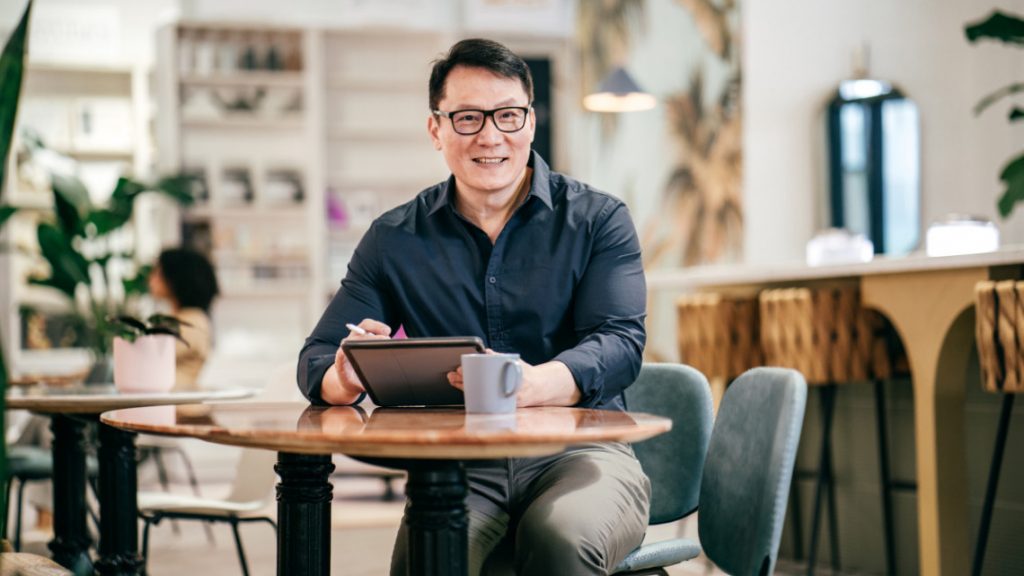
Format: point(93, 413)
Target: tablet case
point(410, 371)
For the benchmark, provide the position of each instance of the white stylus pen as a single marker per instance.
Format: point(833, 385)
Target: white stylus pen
point(356, 329)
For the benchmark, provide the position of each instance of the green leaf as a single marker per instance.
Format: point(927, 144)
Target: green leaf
point(168, 331)
point(5, 213)
point(71, 201)
point(12, 67)
point(107, 221)
point(998, 26)
point(139, 284)
point(178, 187)
point(165, 320)
point(68, 267)
point(1013, 176)
point(996, 96)
point(130, 321)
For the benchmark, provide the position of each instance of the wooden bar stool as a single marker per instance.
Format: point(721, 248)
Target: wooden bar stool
point(718, 335)
point(1000, 335)
point(826, 334)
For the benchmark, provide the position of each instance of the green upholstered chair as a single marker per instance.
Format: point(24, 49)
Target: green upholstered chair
point(748, 470)
point(673, 461)
point(746, 476)
point(26, 463)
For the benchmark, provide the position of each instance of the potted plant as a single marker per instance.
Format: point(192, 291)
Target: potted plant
point(83, 253)
point(144, 352)
point(1009, 29)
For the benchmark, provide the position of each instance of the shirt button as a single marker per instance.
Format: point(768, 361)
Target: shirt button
point(492, 280)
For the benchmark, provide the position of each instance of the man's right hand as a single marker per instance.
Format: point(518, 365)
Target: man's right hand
point(341, 384)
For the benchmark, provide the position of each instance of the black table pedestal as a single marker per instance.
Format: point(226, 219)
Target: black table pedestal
point(119, 533)
point(436, 518)
point(71, 541)
point(304, 514)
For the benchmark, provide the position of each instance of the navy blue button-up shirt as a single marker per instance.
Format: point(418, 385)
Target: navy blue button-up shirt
point(563, 281)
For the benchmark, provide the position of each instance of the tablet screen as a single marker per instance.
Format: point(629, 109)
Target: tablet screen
point(410, 371)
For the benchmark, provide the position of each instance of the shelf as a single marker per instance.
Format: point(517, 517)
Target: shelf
point(232, 258)
point(245, 123)
point(340, 134)
point(290, 211)
point(75, 68)
point(97, 154)
point(244, 78)
point(267, 291)
point(376, 85)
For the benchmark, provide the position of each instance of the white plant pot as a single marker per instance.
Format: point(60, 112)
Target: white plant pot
point(146, 365)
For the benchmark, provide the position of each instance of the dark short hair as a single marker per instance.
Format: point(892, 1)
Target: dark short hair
point(479, 53)
point(190, 277)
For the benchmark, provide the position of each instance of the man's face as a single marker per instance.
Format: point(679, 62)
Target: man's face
point(490, 161)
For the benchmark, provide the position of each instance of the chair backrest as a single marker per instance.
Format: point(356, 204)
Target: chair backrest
point(674, 461)
point(748, 470)
point(255, 477)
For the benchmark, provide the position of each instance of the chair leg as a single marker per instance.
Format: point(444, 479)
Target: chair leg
point(7, 523)
point(886, 478)
point(17, 516)
point(145, 544)
point(833, 516)
point(827, 398)
point(189, 470)
point(796, 519)
point(993, 484)
point(161, 470)
point(241, 552)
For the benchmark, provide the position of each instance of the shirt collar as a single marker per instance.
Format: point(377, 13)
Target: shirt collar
point(539, 187)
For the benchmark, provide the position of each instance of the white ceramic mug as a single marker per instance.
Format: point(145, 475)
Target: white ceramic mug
point(490, 382)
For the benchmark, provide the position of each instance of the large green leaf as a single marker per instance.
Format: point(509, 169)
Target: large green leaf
point(5, 213)
point(72, 203)
point(68, 267)
point(1013, 176)
point(12, 67)
point(177, 187)
point(998, 26)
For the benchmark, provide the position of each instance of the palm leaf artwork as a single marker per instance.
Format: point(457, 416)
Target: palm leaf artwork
point(12, 67)
point(1008, 29)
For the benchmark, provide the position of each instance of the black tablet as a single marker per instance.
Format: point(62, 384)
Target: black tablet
point(410, 371)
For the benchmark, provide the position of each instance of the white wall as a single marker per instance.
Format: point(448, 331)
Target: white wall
point(795, 53)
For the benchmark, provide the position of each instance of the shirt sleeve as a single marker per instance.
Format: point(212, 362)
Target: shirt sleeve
point(609, 312)
point(362, 295)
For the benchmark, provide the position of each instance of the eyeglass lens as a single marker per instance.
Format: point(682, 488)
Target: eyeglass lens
point(472, 121)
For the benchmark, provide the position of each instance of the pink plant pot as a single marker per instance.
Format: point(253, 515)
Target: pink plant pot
point(146, 365)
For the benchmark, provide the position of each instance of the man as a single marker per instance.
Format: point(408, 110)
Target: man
point(532, 262)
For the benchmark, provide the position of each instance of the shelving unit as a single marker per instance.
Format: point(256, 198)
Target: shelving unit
point(239, 111)
point(378, 153)
point(98, 115)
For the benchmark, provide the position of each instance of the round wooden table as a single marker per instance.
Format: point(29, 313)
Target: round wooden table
point(70, 409)
point(430, 443)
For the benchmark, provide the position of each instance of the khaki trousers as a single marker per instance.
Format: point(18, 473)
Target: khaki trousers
point(576, 513)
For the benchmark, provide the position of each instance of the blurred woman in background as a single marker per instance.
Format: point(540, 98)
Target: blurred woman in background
point(185, 279)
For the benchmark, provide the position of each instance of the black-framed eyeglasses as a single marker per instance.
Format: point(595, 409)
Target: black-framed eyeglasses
point(469, 122)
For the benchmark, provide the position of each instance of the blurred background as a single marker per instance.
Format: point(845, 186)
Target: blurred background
point(298, 123)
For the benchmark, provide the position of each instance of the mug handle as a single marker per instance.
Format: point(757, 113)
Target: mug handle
point(517, 372)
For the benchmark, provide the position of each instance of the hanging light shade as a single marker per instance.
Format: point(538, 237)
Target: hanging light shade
point(618, 92)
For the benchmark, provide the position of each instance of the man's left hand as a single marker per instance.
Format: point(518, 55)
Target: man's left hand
point(547, 384)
